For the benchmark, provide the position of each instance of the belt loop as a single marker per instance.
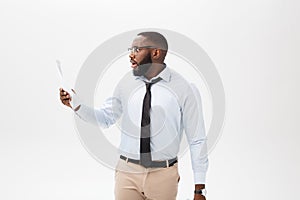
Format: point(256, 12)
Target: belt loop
point(167, 161)
point(126, 160)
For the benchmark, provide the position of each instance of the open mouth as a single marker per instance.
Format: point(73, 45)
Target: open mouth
point(133, 64)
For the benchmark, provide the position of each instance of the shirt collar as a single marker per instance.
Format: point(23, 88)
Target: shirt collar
point(165, 74)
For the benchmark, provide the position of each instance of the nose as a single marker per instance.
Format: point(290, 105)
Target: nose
point(131, 55)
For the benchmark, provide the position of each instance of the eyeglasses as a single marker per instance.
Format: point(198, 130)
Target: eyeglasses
point(135, 49)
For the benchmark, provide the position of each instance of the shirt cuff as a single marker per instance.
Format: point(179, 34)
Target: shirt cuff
point(76, 101)
point(199, 177)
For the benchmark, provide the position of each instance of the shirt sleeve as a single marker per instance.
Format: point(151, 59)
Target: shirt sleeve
point(195, 131)
point(105, 116)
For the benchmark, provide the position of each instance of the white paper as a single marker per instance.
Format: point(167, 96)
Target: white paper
point(62, 81)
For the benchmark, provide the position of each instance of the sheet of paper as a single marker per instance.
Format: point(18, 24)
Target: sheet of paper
point(62, 81)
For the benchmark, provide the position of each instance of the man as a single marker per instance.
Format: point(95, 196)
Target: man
point(155, 104)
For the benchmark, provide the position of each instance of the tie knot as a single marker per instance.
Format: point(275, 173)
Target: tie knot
point(148, 85)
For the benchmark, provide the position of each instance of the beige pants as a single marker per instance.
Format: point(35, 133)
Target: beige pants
point(134, 182)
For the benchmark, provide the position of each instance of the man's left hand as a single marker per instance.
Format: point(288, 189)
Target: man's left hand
point(199, 197)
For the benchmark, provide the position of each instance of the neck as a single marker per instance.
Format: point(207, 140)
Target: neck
point(154, 70)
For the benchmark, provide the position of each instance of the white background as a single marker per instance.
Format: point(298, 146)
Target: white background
point(254, 44)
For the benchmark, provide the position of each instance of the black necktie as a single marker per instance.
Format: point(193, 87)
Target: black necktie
point(145, 150)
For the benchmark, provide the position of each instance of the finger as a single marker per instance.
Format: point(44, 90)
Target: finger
point(61, 90)
point(64, 93)
point(66, 102)
point(65, 98)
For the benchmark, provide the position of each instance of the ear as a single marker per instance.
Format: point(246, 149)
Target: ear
point(156, 54)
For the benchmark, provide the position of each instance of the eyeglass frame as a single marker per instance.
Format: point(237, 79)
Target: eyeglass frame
point(135, 49)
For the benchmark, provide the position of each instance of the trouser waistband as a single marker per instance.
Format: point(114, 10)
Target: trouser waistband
point(154, 164)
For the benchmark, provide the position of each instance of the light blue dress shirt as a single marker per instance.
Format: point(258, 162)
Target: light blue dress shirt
point(175, 108)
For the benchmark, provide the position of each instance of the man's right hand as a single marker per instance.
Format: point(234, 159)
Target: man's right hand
point(65, 97)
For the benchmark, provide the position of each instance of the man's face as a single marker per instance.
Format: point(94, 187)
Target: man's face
point(140, 59)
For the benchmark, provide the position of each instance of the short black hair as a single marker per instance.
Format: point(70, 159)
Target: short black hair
point(156, 38)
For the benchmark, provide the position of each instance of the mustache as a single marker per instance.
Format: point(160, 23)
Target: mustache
point(133, 61)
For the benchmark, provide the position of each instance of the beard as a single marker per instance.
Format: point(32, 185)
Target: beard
point(143, 66)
